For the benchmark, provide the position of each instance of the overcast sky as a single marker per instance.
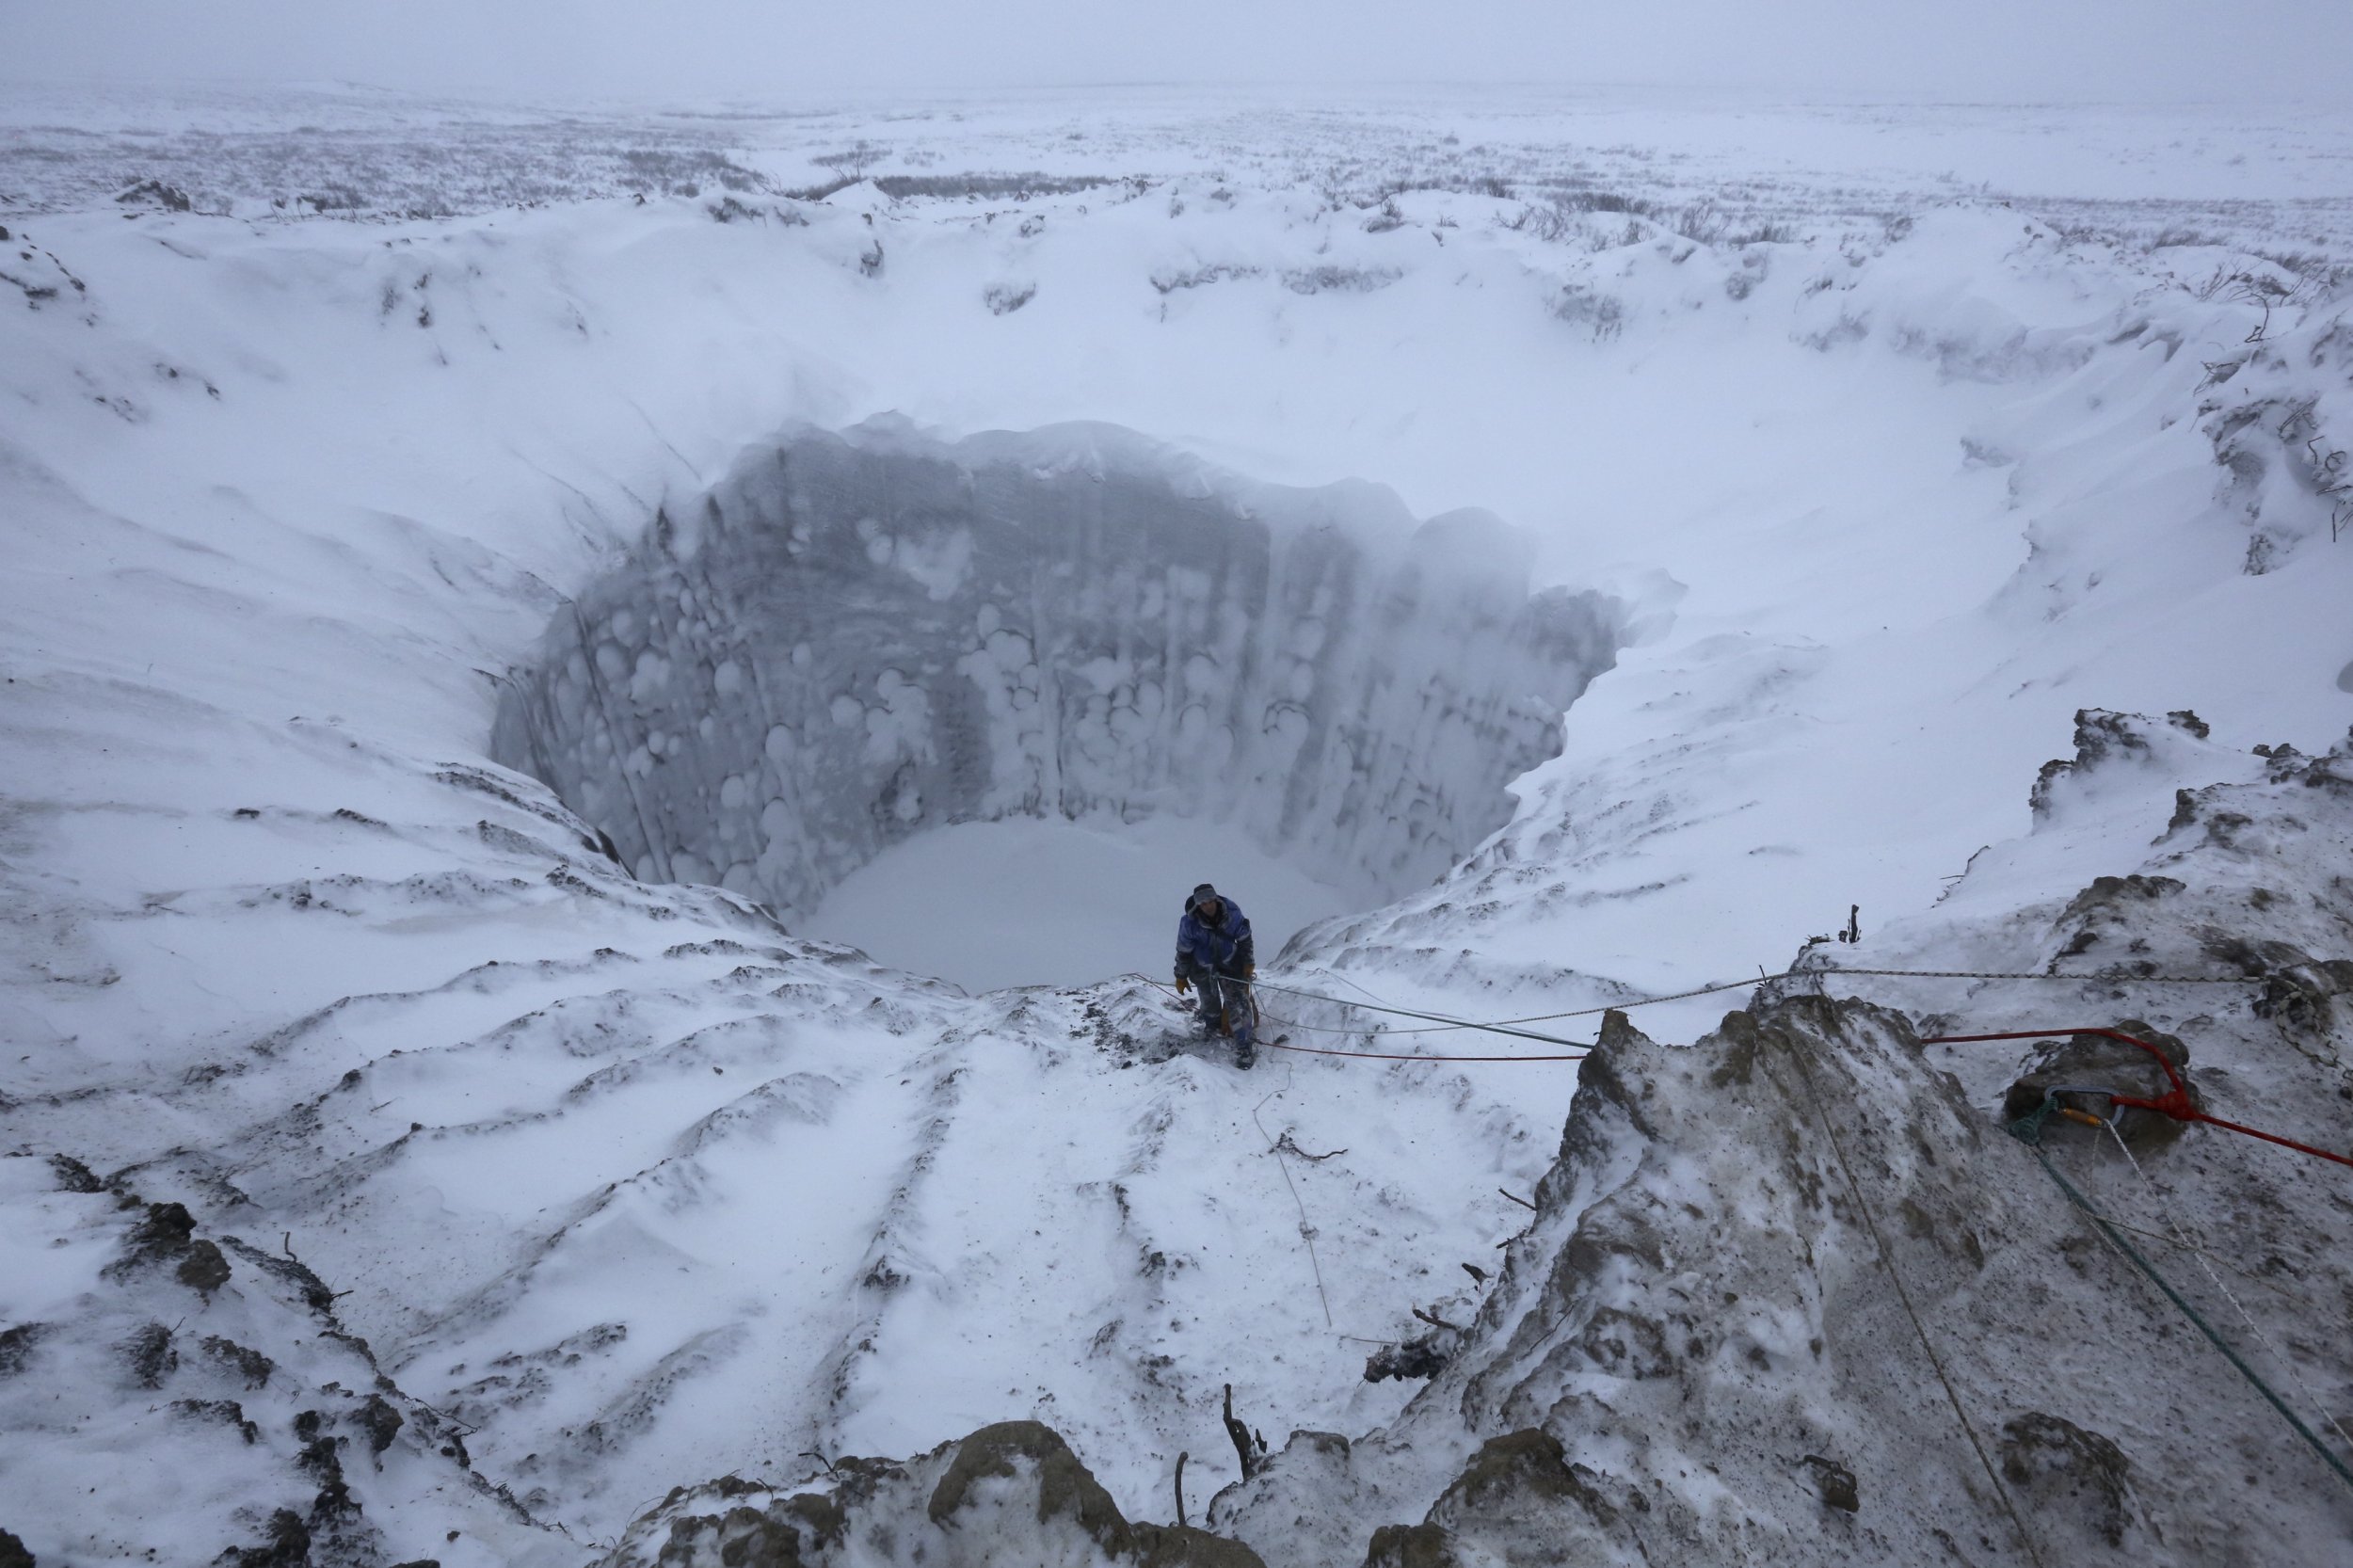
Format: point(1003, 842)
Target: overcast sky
point(2066, 49)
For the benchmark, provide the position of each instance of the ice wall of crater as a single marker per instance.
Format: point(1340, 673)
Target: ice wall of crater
point(857, 636)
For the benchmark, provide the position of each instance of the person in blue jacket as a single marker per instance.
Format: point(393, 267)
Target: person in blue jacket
point(1214, 954)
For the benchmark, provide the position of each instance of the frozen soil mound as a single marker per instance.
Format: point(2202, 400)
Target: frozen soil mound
point(1704, 1349)
point(856, 638)
point(1009, 1492)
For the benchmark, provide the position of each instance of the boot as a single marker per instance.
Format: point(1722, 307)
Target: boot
point(1245, 1047)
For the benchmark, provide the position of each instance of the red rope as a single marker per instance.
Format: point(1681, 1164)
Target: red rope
point(2193, 1114)
point(2171, 1076)
point(2175, 1103)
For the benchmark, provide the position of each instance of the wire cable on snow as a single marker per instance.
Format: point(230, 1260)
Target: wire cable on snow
point(1335, 974)
point(2028, 1129)
point(1499, 1028)
point(2038, 974)
point(1307, 1231)
point(1760, 979)
point(1440, 1022)
point(1382, 1056)
point(2278, 1356)
point(1887, 1261)
point(1405, 1056)
point(2288, 1296)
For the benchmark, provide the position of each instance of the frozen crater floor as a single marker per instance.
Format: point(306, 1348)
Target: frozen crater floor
point(1036, 902)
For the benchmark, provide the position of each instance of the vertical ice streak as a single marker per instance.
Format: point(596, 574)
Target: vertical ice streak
point(855, 637)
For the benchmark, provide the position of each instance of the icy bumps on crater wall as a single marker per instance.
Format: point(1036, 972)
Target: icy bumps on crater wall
point(858, 636)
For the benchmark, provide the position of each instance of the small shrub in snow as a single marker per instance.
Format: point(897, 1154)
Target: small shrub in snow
point(853, 162)
point(993, 187)
point(169, 197)
point(1004, 298)
point(684, 172)
point(1193, 277)
point(1346, 280)
point(819, 192)
point(1605, 313)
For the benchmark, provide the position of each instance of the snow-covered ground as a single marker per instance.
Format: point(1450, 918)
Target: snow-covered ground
point(1895, 437)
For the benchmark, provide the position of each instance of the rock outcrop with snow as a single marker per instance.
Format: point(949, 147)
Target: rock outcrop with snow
point(1794, 1294)
point(1011, 1492)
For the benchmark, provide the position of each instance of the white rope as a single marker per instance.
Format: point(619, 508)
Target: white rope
point(1307, 1231)
point(2181, 1239)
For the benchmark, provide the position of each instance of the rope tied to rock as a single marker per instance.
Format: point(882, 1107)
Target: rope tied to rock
point(2175, 1102)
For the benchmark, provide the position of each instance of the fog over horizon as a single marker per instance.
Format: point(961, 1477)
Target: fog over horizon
point(2157, 50)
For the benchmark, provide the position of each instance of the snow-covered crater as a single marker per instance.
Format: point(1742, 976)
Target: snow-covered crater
point(856, 638)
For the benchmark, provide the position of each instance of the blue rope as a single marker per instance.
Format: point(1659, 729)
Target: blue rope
point(2028, 1129)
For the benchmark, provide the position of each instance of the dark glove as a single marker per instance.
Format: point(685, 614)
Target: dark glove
point(1250, 972)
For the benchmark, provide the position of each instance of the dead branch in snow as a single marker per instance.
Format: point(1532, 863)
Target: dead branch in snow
point(1285, 1143)
point(1247, 1444)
